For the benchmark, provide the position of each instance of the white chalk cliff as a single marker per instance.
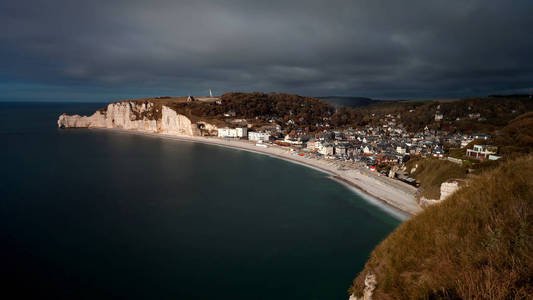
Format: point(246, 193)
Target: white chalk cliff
point(447, 189)
point(131, 115)
point(174, 123)
point(368, 291)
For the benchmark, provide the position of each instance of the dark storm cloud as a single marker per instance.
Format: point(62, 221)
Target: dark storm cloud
point(372, 48)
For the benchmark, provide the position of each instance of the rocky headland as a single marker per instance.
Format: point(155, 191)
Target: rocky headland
point(142, 116)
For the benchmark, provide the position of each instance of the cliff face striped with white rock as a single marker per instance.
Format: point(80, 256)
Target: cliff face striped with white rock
point(131, 115)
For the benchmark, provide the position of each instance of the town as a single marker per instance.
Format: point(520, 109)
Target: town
point(382, 148)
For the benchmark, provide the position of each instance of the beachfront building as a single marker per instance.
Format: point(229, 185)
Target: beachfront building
point(341, 149)
point(325, 149)
point(227, 132)
point(293, 140)
point(258, 136)
point(311, 144)
point(242, 131)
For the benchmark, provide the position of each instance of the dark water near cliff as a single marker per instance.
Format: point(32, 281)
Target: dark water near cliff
point(97, 214)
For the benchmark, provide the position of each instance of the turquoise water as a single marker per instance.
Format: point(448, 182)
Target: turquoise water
point(98, 214)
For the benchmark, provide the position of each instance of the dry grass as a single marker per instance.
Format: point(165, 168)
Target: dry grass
point(431, 173)
point(478, 244)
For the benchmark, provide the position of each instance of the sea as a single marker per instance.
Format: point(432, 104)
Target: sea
point(97, 214)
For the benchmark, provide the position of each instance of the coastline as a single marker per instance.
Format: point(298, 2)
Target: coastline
point(397, 197)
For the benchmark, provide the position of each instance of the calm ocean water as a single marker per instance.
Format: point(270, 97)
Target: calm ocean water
point(96, 214)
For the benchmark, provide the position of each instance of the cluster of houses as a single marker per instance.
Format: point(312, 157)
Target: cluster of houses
point(388, 143)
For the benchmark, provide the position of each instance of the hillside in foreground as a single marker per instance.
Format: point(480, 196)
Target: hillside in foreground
point(475, 245)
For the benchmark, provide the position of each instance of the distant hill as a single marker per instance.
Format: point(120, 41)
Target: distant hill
point(348, 101)
point(477, 244)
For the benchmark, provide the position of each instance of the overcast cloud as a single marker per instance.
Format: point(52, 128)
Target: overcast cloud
point(90, 50)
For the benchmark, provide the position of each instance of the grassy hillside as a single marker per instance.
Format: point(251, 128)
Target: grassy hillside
point(432, 172)
point(516, 138)
point(477, 244)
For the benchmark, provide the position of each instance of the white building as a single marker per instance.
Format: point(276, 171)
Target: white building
point(325, 149)
point(465, 142)
point(294, 141)
point(482, 152)
point(368, 150)
point(258, 136)
point(401, 150)
point(341, 150)
point(238, 132)
point(242, 131)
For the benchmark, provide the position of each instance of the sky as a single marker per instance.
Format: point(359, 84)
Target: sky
point(69, 50)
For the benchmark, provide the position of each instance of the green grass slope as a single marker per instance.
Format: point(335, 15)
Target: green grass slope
point(478, 244)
